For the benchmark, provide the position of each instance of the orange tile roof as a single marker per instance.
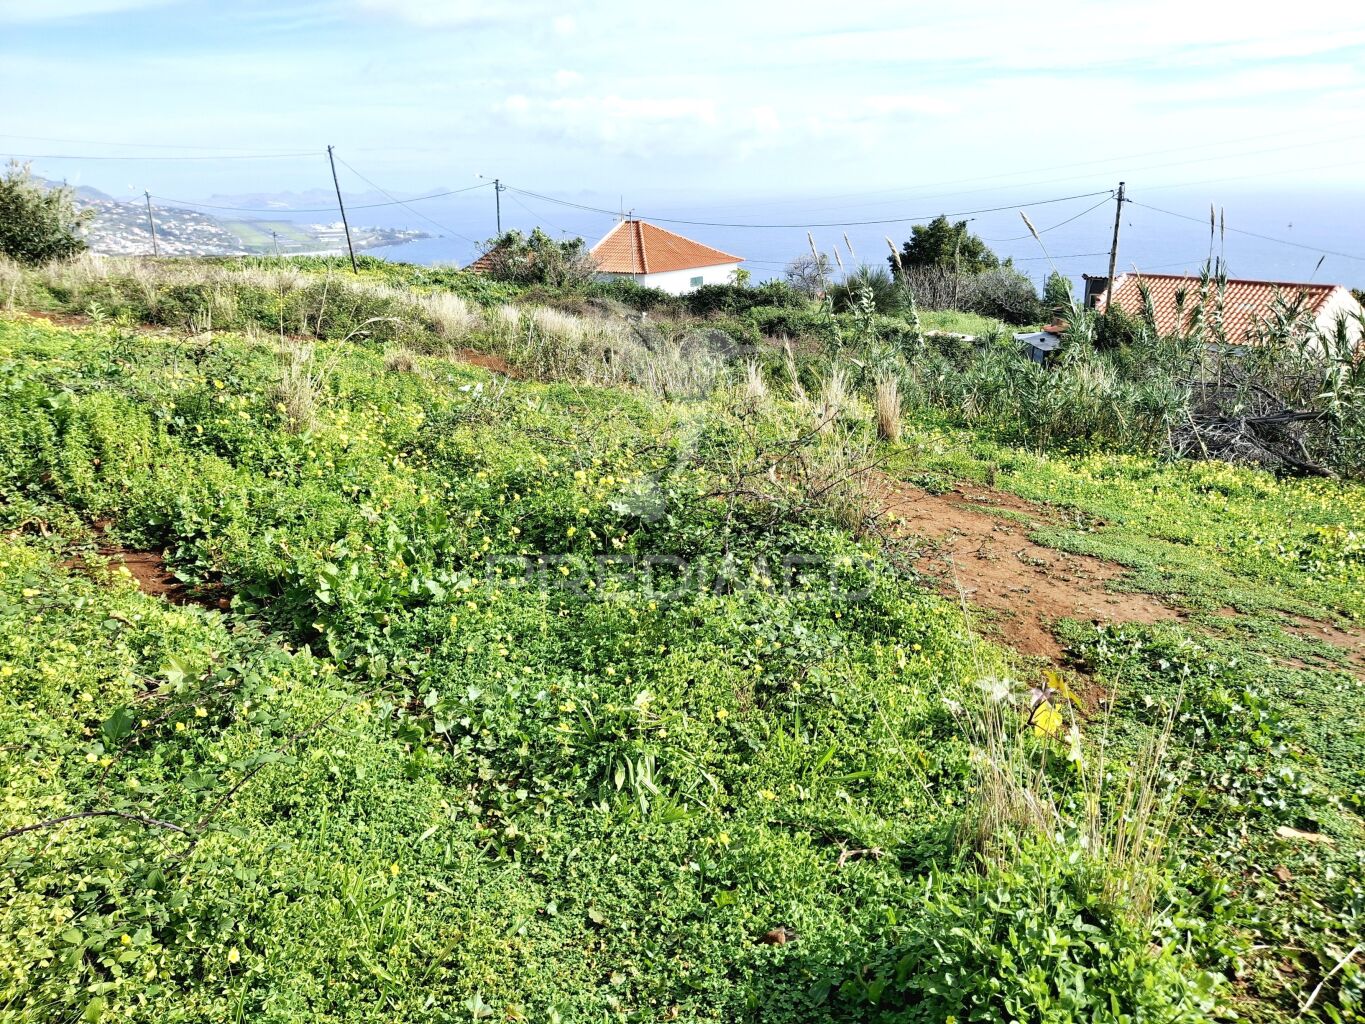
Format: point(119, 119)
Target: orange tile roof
point(1244, 302)
point(636, 247)
point(484, 263)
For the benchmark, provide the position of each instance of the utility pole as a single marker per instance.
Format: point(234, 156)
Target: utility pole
point(349, 247)
point(1114, 249)
point(497, 201)
point(274, 237)
point(151, 222)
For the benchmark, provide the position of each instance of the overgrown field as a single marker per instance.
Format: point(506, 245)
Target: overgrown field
point(593, 696)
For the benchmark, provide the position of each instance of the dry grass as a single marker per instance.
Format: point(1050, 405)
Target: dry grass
point(755, 387)
point(300, 388)
point(1118, 815)
point(887, 400)
point(833, 401)
point(451, 316)
point(401, 359)
point(11, 282)
point(798, 393)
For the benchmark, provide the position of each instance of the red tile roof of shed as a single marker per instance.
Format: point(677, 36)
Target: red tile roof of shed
point(636, 247)
point(1244, 302)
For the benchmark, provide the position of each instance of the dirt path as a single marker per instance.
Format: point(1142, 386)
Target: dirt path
point(1023, 586)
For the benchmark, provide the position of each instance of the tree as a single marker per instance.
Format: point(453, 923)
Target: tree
point(809, 274)
point(537, 259)
point(1057, 298)
point(38, 223)
point(941, 243)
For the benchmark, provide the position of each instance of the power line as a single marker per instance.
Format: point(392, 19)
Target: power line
point(132, 145)
point(1253, 234)
point(1121, 160)
point(403, 204)
point(145, 159)
point(826, 224)
point(539, 216)
point(1054, 227)
point(321, 209)
point(1073, 256)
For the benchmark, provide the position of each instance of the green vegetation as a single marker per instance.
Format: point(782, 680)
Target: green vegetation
point(944, 245)
point(596, 689)
point(37, 223)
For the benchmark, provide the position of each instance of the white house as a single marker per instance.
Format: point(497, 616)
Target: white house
point(657, 258)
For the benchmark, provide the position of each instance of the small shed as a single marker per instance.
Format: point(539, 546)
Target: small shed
point(1039, 345)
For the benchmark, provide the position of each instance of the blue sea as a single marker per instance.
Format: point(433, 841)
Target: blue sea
point(1162, 231)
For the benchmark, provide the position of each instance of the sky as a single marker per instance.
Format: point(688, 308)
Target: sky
point(783, 109)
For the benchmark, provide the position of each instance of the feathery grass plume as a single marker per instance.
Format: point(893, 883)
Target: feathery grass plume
point(11, 281)
point(838, 260)
point(449, 314)
point(1038, 238)
point(834, 399)
point(849, 246)
point(299, 390)
point(888, 407)
point(755, 387)
point(798, 392)
point(1213, 228)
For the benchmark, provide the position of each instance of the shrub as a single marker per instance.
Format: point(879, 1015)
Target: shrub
point(537, 259)
point(1003, 293)
point(636, 295)
point(735, 299)
point(888, 296)
point(37, 223)
point(794, 323)
point(950, 246)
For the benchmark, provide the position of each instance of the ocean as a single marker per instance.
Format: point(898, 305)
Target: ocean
point(1163, 230)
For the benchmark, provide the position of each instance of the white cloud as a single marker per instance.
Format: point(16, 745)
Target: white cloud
point(566, 79)
point(54, 10)
point(564, 25)
point(440, 13)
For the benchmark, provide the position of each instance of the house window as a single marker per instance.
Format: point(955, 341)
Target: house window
point(696, 282)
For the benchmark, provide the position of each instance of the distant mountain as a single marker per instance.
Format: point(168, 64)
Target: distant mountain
point(121, 228)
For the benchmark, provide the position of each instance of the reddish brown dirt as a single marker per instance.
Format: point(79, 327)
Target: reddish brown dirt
point(1351, 641)
point(64, 319)
point(149, 572)
point(497, 364)
point(991, 563)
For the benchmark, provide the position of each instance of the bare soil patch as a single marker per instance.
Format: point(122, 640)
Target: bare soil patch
point(149, 571)
point(1025, 587)
point(1351, 641)
point(494, 363)
point(991, 562)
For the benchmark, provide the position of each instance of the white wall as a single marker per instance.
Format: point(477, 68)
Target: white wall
point(1340, 302)
point(679, 282)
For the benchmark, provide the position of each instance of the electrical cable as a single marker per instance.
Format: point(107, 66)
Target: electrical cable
point(158, 159)
point(1253, 234)
point(1054, 227)
point(827, 224)
point(321, 209)
point(133, 145)
point(405, 206)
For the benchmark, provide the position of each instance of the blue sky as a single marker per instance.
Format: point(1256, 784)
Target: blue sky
point(866, 104)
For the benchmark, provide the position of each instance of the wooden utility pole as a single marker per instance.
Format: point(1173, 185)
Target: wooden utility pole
point(497, 200)
point(274, 237)
point(1114, 249)
point(151, 222)
point(345, 225)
